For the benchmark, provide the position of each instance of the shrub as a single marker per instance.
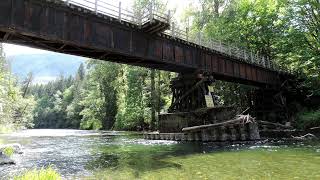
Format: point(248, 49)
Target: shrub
point(308, 119)
point(41, 174)
point(8, 151)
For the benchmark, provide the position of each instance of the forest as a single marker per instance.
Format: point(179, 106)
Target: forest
point(104, 95)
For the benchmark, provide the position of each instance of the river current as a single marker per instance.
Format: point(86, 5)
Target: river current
point(79, 154)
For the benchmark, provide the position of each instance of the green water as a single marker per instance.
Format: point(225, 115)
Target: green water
point(207, 161)
point(119, 155)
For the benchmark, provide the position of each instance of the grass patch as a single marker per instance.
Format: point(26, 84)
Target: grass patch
point(39, 174)
point(8, 151)
point(308, 119)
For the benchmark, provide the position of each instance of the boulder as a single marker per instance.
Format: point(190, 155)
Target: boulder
point(5, 159)
point(16, 147)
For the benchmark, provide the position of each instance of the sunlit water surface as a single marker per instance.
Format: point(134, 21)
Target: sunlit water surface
point(121, 155)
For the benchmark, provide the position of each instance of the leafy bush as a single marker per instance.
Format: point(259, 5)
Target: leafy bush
point(41, 174)
point(8, 151)
point(308, 119)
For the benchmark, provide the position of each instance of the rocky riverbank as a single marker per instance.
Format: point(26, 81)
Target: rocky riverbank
point(6, 151)
point(4, 159)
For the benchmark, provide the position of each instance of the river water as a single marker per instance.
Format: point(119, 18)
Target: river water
point(90, 155)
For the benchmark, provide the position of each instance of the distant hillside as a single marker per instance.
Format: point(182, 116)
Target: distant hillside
point(45, 67)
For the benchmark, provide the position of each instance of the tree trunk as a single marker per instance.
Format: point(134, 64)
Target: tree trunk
point(153, 112)
point(27, 84)
point(159, 92)
point(216, 8)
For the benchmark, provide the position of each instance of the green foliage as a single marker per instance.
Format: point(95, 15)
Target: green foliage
point(58, 102)
point(52, 102)
point(9, 151)
point(15, 105)
point(100, 100)
point(134, 109)
point(286, 31)
point(108, 96)
point(308, 119)
point(136, 99)
point(41, 174)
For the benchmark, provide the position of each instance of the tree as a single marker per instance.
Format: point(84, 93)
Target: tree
point(53, 100)
point(134, 99)
point(100, 100)
point(75, 92)
point(17, 107)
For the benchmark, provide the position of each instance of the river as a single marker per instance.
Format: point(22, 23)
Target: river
point(90, 155)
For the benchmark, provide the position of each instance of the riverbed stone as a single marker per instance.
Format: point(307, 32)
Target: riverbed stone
point(15, 146)
point(4, 159)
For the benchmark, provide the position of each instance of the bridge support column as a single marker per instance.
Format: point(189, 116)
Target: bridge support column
point(233, 133)
point(253, 131)
point(243, 132)
point(191, 92)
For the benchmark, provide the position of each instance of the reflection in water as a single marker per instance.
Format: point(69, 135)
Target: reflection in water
point(122, 155)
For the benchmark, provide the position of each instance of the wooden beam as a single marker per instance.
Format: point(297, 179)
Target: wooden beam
point(187, 93)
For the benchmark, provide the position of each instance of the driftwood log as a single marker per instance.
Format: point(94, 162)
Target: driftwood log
point(240, 119)
point(305, 137)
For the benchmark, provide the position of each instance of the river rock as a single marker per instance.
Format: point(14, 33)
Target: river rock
point(16, 147)
point(5, 159)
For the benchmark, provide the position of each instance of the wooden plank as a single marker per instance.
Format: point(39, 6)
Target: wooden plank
point(188, 92)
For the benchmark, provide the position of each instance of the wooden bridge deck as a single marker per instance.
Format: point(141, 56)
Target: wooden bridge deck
point(58, 27)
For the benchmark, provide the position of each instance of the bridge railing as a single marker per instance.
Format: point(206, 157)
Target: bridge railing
point(232, 50)
point(119, 12)
point(105, 8)
point(150, 12)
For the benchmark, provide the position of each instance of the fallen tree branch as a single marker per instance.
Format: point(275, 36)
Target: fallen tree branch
point(240, 119)
point(304, 137)
point(314, 128)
